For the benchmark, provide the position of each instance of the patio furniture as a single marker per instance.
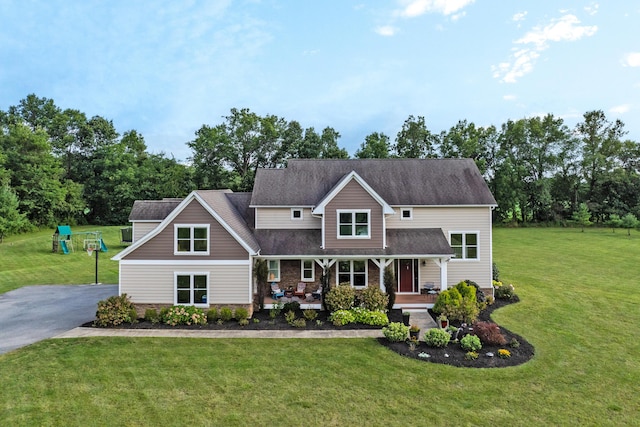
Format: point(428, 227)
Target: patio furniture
point(317, 294)
point(276, 292)
point(299, 292)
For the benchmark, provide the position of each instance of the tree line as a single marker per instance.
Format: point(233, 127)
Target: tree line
point(59, 166)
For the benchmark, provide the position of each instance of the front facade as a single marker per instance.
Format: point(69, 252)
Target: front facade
point(427, 220)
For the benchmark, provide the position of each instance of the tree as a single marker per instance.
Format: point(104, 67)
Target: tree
point(375, 146)
point(582, 216)
point(414, 139)
point(330, 148)
point(261, 271)
point(629, 221)
point(614, 222)
point(11, 220)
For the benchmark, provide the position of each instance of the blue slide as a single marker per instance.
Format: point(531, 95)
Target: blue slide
point(63, 245)
point(103, 247)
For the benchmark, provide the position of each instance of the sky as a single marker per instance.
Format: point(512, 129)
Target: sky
point(166, 68)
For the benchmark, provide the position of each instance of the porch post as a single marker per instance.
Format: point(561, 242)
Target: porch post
point(443, 274)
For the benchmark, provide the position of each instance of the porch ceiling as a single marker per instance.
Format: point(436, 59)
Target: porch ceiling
point(421, 242)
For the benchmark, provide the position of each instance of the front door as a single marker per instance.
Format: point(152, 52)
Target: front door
point(405, 275)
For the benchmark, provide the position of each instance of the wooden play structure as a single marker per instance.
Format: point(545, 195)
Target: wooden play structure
point(64, 240)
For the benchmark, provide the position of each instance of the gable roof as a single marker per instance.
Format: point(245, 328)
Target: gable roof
point(400, 182)
point(220, 208)
point(352, 176)
point(152, 210)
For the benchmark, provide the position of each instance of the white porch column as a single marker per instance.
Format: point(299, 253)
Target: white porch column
point(443, 274)
point(382, 264)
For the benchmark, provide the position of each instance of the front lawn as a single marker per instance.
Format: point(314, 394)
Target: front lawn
point(579, 308)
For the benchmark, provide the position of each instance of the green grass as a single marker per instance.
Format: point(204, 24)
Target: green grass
point(26, 259)
point(579, 304)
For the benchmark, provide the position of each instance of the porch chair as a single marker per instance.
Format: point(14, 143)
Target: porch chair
point(299, 292)
point(276, 292)
point(317, 294)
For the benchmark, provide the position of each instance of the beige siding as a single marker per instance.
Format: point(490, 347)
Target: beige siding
point(353, 196)
point(222, 245)
point(141, 229)
point(280, 218)
point(464, 219)
point(154, 284)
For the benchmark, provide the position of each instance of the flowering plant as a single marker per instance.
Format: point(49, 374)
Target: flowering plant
point(503, 353)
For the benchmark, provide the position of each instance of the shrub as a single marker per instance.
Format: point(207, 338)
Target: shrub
point(495, 272)
point(514, 343)
point(458, 303)
point(341, 317)
point(503, 353)
point(241, 313)
point(212, 314)
point(133, 314)
point(225, 314)
point(184, 315)
point(471, 355)
point(436, 337)
point(243, 322)
point(447, 300)
point(114, 311)
point(151, 315)
point(310, 314)
point(387, 279)
point(374, 299)
point(489, 333)
point(291, 306)
point(396, 332)
point(470, 343)
point(299, 323)
point(502, 291)
point(369, 317)
point(276, 310)
point(340, 297)
point(290, 316)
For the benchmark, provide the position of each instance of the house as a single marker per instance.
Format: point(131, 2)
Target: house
point(429, 220)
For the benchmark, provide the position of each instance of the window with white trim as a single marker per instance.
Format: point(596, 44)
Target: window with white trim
point(274, 270)
point(464, 245)
point(307, 270)
point(296, 214)
point(191, 239)
point(406, 213)
point(354, 224)
point(191, 289)
point(353, 272)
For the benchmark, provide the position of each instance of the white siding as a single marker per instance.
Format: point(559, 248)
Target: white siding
point(278, 218)
point(154, 284)
point(463, 219)
point(140, 229)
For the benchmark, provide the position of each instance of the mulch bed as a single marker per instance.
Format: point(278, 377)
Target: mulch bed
point(454, 355)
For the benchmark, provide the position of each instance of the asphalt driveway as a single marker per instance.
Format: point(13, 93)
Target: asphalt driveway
point(35, 313)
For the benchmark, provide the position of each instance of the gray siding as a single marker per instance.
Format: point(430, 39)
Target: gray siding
point(280, 218)
point(222, 245)
point(141, 229)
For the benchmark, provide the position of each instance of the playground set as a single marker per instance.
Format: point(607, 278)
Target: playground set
point(65, 240)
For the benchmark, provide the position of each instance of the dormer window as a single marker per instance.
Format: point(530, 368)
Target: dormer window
point(406, 213)
point(354, 224)
point(296, 214)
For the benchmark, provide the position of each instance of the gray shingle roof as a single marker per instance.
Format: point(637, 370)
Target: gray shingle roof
point(421, 242)
point(400, 182)
point(152, 210)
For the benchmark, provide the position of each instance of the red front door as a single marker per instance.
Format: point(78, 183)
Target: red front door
point(406, 275)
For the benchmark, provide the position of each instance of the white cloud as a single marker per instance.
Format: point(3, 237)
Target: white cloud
point(519, 16)
point(631, 59)
point(592, 9)
point(413, 8)
point(386, 30)
point(537, 40)
point(620, 109)
point(509, 97)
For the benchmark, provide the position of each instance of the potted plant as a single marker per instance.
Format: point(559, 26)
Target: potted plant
point(414, 331)
point(405, 317)
point(443, 322)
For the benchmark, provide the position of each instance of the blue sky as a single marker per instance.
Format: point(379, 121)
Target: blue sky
point(165, 68)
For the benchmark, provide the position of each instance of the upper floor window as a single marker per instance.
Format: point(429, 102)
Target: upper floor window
point(464, 245)
point(191, 239)
point(296, 214)
point(354, 224)
point(406, 213)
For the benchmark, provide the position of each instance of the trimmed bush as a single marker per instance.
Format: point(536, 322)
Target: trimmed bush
point(395, 332)
point(436, 337)
point(212, 315)
point(470, 343)
point(151, 315)
point(370, 317)
point(225, 314)
point(374, 299)
point(341, 317)
point(340, 297)
point(184, 315)
point(502, 291)
point(291, 306)
point(115, 311)
point(241, 313)
point(458, 303)
point(489, 333)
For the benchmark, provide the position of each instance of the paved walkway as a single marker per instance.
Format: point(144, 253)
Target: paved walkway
point(420, 318)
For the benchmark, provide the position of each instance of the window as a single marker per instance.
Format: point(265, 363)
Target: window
point(274, 270)
point(406, 213)
point(191, 239)
point(464, 245)
point(308, 270)
point(353, 224)
point(192, 289)
point(296, 214)
point(353, 272)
